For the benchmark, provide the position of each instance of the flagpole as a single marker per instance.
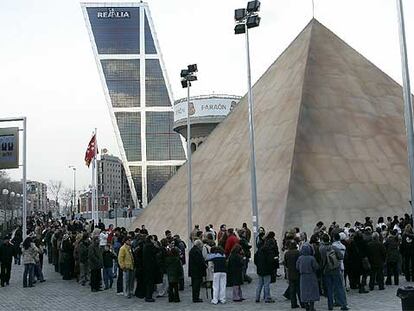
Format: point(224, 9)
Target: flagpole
point(94, 170)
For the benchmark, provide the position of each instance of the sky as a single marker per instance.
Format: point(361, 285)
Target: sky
point(49, 75)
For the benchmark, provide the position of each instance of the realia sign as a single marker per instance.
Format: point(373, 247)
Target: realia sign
point(112, 13)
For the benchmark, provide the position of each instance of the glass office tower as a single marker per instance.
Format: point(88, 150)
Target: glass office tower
point(137, 92)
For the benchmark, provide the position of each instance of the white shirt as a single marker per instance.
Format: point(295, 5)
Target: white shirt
point(103, 238)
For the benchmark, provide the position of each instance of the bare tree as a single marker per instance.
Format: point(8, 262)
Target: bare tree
point(67, 197)
point(55, 186)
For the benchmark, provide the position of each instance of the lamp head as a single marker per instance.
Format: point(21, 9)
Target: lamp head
point(253, 6)
point(253, 21)
point(192, 68)
point(239, 14)
point(239, 29)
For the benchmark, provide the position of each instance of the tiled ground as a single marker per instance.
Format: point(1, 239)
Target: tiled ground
point(56, 294)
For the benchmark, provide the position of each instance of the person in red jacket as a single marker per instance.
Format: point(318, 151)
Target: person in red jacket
point(232, 240)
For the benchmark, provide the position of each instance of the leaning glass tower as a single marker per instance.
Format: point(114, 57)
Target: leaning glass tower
point(137, 93)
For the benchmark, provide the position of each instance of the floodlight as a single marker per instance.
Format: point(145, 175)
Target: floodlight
point(192, 68)
point(253, 21)
point(184, 73)
point(185, 83)
point(239, 29)
point(253, 6)
point(239, 14)
point(191, 78)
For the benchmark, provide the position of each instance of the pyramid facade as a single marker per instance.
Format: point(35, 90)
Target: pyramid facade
point(330, 145)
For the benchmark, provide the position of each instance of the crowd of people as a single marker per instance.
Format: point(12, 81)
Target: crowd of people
point(333, 261)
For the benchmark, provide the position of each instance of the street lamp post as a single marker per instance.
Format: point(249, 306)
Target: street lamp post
point(408, 105)
point(246, 19)
point(187, 76)
point(74, 187)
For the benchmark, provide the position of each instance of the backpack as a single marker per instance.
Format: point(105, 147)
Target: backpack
point(332, 261)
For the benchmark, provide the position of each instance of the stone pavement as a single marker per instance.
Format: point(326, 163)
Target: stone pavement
point(56, 294)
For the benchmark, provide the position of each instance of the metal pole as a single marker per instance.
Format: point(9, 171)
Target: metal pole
point(190, 203)
point(74, 189)
point(255, 218)
point(116, 216)
point(24, 225)
point(407, 98)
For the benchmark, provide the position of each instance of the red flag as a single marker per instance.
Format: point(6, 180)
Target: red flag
point(90, 152)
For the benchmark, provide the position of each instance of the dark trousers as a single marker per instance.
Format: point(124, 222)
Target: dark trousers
point(140, 288)
point(28, 273)
point(173, 295)
point(96, 279)
point(294, 291)
point(333, 283)
point(376, 275)
point(149, 289)
point(120, 281)
point(108, 277)
point(195, 287)
point(392, 269)
point(5, 273)
point(49, 254)
point(409, 267)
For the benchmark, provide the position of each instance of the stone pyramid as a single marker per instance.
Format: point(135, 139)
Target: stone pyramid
point(330, 145)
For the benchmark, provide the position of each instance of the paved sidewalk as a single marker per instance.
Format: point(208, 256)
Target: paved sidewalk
point(56, 294)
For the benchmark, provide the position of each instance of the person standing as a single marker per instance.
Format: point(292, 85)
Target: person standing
point(150, 267)
point(30, 255)
point(330, 264)
point(126, 263)
point(247, 231)
point(83, 259)
point(7, 251)
point(265, 262)
point(174, 273)
point(108, 257)
point(376, 256)
point(196, 269)
point(290, 259)
point(235, 272)
point(232, 240)
point(307, 267)
point(407, 251)
point(392, 257)
point(95, 262)
point(219, 276)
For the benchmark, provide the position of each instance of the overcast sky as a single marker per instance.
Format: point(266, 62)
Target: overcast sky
point(48, 72)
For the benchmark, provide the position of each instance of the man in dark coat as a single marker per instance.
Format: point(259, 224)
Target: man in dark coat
point(392, 257)
point(196, 269)
point(291, 257)
point(376, 255)
point(95, 262)
point(7, 252)
point(151, 269)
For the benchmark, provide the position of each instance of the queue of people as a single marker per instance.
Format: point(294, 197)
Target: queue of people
point(332, 262)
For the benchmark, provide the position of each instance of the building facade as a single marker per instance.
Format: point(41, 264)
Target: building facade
point(37, 195)
point(112, 181)
point(137, 92)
